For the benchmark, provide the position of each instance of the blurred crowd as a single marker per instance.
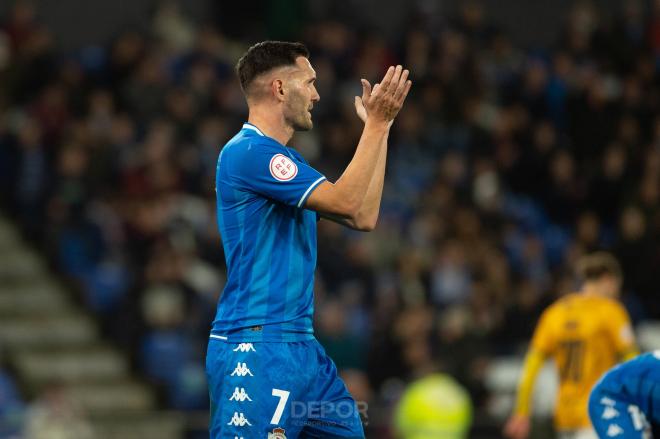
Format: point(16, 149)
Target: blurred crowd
point(505, 165)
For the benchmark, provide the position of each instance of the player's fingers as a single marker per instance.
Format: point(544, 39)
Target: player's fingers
point(404, 94)
point(386, 80)
point(376, 91)
point(401, 85)
point(395, 79)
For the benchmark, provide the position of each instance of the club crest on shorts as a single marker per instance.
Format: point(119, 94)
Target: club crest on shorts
point(282, 168)
point(278, 433)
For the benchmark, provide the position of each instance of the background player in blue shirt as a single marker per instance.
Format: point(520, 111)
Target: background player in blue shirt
point(626, 401)
point(268, 376)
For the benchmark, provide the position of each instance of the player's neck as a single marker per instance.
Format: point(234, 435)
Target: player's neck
point(271, 124)
point(591, 290)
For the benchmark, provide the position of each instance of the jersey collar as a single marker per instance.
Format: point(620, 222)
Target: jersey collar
point(249, 126)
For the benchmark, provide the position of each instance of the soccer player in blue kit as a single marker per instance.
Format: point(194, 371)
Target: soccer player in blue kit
point(625, 403)
point(268, 376)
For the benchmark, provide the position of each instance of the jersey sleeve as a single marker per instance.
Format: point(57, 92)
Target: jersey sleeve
point(620, 329)
point(543, 339)
point(272, 172)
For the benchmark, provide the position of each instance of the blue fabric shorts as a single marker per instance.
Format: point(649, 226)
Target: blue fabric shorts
point(614, 418)
point(277, 390)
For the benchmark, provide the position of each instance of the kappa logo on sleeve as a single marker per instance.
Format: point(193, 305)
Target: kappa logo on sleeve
point(282, 168)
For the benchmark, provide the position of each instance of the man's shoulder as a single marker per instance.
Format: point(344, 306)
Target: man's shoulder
point(609, 308)
point(242, 147)
point(562, 307)
point(560, 304)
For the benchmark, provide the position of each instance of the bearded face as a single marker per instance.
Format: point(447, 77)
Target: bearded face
point(297, 111)
point(301, 96)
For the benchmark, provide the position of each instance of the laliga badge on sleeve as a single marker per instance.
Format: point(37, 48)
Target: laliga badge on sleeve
point(278, 433)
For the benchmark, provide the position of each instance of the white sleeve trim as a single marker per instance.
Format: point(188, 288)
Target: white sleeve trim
point(309, 189)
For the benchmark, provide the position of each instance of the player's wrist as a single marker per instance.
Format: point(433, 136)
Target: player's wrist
point(377, 123)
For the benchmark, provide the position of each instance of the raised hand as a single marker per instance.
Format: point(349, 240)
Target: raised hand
point(517, 427)
point(384, 101)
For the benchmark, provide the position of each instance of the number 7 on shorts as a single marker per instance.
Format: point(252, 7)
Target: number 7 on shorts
point(284, 397)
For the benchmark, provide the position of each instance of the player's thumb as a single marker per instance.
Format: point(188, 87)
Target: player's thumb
point(359, 104)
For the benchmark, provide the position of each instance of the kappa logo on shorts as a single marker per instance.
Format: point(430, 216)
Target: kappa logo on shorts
point(282, 168)
point(610, 413)
point(614, 430)
point(245, 347)
point(607, 401)
point(239, 420)
point(278, 433)
point(241, 370)
point(239, 395)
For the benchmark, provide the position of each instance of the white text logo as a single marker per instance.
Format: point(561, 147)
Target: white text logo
point(610, 412)
point(607, 401)
point(241, 370)
point(245, 347)
point(614, 430)
point(239, 395)
point(238, 420)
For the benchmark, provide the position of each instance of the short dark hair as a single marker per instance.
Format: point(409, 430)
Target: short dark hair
point(596, 265)
point(265, 56)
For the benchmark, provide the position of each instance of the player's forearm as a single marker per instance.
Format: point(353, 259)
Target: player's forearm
point(533, 363)
point(368, 214)
point(356, 180)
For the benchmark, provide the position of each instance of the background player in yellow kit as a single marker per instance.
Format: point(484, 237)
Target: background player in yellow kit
point(585, 334)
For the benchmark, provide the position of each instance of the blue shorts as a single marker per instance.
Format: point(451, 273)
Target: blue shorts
point(614, 418)
point(277, 390)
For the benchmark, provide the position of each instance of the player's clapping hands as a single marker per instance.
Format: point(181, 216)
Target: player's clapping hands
point(383, 102)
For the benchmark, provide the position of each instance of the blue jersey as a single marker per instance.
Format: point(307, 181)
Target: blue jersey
point(636, 382)
point(269, 240)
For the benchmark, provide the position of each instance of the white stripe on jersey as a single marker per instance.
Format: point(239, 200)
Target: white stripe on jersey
point(253, 128)
point(311, 186)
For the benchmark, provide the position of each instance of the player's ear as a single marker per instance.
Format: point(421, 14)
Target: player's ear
point(277, 88)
